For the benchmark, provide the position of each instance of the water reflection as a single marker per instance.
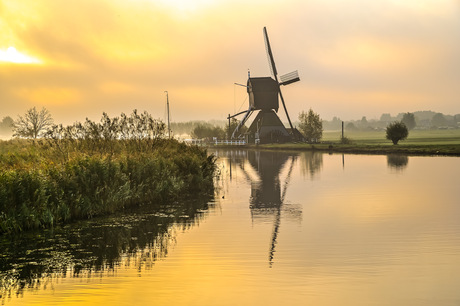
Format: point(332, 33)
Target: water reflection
point(311, 163)
point(339, 239)
point(269, 173)
point(397, 161)
point(96, 247)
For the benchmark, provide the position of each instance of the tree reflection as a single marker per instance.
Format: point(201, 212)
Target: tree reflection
point(95, 247)
point(310, 163)
point(397, 161)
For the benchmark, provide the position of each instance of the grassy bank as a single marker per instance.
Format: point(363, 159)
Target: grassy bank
point(92, 169)
point(419, 142)
point(37, 189)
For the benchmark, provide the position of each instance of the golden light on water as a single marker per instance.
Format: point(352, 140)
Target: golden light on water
point(351, 231)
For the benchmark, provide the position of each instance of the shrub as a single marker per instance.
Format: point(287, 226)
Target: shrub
point(396, 131)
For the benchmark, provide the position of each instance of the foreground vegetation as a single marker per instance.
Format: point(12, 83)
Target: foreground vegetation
point(91, 169)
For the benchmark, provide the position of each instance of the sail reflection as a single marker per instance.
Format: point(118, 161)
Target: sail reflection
point(93, 248)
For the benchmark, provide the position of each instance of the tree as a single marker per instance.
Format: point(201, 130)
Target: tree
point(385, 117)
point(6, 125)
point(34, 123)
point(207, 131)
point(397, 131)
point(409, 120)
point(364, 122)
point(351, 126)
point(311, 126)
point(438, 120)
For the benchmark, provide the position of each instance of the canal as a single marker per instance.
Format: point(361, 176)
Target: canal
point(292, 228)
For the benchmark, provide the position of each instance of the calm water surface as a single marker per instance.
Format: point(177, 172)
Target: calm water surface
point(285, 228)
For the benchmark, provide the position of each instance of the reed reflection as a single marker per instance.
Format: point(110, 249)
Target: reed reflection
point(93, 248)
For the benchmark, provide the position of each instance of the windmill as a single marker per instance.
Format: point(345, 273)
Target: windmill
point(263, 97)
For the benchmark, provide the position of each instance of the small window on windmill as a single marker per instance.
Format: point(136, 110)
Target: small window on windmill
point(263, 93)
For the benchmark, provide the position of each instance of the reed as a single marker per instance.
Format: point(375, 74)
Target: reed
point(66, 177)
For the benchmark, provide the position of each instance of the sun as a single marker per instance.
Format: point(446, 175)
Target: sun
point(12, 55)
point(185, 5)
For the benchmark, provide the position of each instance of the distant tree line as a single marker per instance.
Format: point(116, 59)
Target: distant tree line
point(419, 120)
point(180, 128)
point(219, 128)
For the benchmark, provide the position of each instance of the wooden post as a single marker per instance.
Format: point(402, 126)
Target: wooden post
point(229, 135)
point(342, 131)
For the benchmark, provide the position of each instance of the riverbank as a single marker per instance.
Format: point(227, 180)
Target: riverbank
point(445, 150)
point(45, 184)
point(419, 142)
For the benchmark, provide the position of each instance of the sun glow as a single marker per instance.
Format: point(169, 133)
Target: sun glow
point(11, 55)
point(186, 5)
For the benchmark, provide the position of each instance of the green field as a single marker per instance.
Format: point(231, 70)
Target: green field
point(416, 137)
point(419, 142)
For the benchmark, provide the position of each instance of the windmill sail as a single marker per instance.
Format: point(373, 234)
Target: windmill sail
point(289, 78)
point(271, 61)
point(275, 73)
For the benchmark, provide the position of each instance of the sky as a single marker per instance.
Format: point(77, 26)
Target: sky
point(355, 58)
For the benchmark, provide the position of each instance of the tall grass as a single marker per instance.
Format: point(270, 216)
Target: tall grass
point(82, 171)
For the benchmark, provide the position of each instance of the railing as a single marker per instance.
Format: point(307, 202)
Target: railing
point(201, 142)
point(230, 142)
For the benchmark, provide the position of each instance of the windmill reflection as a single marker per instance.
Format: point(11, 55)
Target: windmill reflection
point(268, 190)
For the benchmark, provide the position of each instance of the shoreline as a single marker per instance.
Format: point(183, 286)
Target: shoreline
point(421, 150)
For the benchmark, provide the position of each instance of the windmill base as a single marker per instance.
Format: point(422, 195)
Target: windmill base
point(267, 128)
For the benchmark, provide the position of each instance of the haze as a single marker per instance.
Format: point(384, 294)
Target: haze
point(355, 58)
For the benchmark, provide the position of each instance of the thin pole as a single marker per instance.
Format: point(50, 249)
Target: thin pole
point(229, 127)
point(167, 106)
point(342, 131)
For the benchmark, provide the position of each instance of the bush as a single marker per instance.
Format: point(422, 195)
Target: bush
point(396, 131)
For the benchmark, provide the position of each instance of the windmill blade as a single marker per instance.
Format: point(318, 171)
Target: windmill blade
point(271, 61)
point(289, 78)
point(275, 73)
point(285, 110)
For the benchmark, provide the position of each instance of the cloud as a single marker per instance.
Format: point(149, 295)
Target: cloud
point(352, 56)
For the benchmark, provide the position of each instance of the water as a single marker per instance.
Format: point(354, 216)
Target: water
point(285, 228)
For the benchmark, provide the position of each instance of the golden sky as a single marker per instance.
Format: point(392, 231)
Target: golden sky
point(355, 58)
